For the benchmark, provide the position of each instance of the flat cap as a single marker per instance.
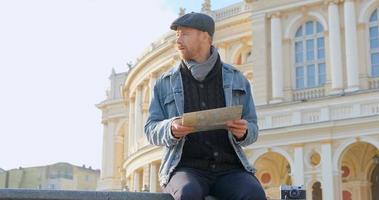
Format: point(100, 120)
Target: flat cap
point(194, 20)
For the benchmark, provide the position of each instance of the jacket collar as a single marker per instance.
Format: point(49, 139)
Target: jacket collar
point(176, 70)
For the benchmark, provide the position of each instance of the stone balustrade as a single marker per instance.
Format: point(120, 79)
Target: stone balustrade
point(231, 11)
point(312, 93)
point(374, 83)
point(314, 114)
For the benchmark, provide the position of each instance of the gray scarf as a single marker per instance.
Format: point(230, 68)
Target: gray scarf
point(200, 70)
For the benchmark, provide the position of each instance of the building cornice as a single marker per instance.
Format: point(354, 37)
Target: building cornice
point(287, 7)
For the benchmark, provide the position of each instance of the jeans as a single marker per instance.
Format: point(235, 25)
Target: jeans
point(194, 184)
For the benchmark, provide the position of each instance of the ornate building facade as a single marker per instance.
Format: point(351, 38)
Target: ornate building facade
point(314, 70)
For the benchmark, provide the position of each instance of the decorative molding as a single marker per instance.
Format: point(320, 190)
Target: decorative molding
point(329, 141)
point(298, 145)
point(361, 26)
point(132, 97)
point(328, 2)
point(145, 82)
point(274, 15)
point(154, 74)
point(232, 24)
point(286, 40)
point(348, 1)
point(304, 11)
point(299, 19)
point(366, 10)
point(249, 75)
point(222, 45)
point(145, 107)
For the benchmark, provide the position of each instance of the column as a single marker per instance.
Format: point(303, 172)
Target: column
point(327, 171)
point(335, 47)
point(118, 146)
point(153, 177)
point(152, 80)
point(128, 184)
point(351, 46)
point(137, 183)
point(222, 51)
point(260, 36)
point(298, 169)
point(110, 153)
point(146, 177)
point(337, 177)
point(276, 59)
point(131, 126)
point(364, 189)
point(110, 176)
point(145, 114)
point(138, 114)
point(104, 157)
point(126, 141)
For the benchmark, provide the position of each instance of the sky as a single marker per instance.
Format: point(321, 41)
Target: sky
point(55, 60)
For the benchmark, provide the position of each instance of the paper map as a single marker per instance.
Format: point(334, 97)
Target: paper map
point(211, 119)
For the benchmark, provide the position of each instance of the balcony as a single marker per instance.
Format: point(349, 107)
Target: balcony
point(305, 94)
point(374, 83)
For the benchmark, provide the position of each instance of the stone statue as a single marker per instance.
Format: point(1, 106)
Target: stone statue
point(206, 6)
point(182, 11)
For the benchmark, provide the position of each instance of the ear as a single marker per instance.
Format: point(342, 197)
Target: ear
point(205, 36)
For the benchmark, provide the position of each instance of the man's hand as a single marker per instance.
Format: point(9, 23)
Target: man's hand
point(237, 127)
point(179, 131)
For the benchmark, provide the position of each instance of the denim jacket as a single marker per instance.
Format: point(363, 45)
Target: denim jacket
point(167, 105)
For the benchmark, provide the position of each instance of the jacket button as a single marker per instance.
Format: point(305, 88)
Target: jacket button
point(213, 166)
point(215, 153)
point(201, 85)
point(203, 104)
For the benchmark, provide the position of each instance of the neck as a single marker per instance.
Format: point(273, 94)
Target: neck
point(203, 55)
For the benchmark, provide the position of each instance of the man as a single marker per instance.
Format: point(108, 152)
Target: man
point(198, 164)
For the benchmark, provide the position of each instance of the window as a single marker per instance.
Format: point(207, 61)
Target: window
point(309, 55)
point(87, 178)
point(374, 43)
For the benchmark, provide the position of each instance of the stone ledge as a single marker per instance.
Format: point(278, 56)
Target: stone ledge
point(27, 194)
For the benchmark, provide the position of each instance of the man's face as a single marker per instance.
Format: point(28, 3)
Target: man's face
point(190, 42)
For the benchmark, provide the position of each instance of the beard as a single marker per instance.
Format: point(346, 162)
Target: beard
point(188, 53)
point(185, 54)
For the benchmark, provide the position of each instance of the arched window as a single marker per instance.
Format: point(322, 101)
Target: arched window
point(244, 56)
point(374, 43)
point(309, 55)
point(316, 191)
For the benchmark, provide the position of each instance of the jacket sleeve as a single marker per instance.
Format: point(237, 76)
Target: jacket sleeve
point(249, 114)
point(158, 127)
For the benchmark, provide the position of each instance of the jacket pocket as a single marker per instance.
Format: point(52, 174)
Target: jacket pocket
point(239, 96)
point(169, 105)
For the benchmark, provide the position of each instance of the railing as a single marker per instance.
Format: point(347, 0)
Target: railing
point(162, 41)
point(305, 94)
point(26, 194)
point(374, 83)
point(231, 11)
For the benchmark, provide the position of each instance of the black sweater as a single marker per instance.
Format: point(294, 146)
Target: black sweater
point(206, 150)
